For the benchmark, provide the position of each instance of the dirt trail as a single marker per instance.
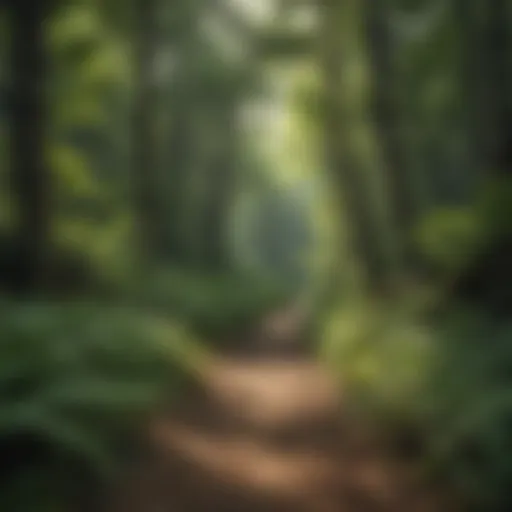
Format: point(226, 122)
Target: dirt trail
point(266, 434)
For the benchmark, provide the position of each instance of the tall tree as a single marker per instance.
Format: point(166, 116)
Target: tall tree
point(221, 175)
point(498, 48)
point(146, 182)
point(471, 77)
point(177, 160)
point(186, 49)
point(388, 122)
point(488, 280)
point(341, 159)
point(30, 177)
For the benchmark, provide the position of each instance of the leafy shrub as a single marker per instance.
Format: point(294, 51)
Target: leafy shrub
point(449, 383)
point(75, 381)
point(215, 306)
point(382, 356)
point(468, 402)
point(449, 238)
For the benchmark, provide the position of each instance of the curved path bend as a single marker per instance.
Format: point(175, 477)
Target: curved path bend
point(267, 434)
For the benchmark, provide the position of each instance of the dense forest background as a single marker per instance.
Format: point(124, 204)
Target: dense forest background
point(172, 171)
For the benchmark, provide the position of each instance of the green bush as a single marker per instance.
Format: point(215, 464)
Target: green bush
point(449, 238)
point(214, 306)
point(382, 356)
point(450, 383)
point(75, 383)
point(468, 403)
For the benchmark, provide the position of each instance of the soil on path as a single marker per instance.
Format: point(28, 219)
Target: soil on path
point(266, 433)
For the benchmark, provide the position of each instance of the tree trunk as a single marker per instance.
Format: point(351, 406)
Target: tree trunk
point(488, 281)
point(181, 130)
point(341, 160)
point(30, 178)
point(146, 182)
point(471, 78)
point(219, 194)
point(497, 39)
point(179, 158)
point(388, 122)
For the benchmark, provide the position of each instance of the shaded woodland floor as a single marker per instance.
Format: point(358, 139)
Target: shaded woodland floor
point(266, 432)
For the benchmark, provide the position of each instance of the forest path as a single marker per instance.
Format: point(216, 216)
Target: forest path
point(265, 433)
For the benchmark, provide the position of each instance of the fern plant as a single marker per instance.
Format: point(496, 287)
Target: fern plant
point(450, 382)
point(75, 380)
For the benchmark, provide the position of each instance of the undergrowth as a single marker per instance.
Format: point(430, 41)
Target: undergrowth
point(215, 307)
point(79, 378)
point(76, 383)
point(447, 382)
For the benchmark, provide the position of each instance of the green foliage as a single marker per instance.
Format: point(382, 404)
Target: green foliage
point(363, 343)
point(76, 380)
point(72, 174)
point(495, 205)
point(102, 246)
point(283, 44)
point(447, 383)
point(449, 238)
point(215, 306)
